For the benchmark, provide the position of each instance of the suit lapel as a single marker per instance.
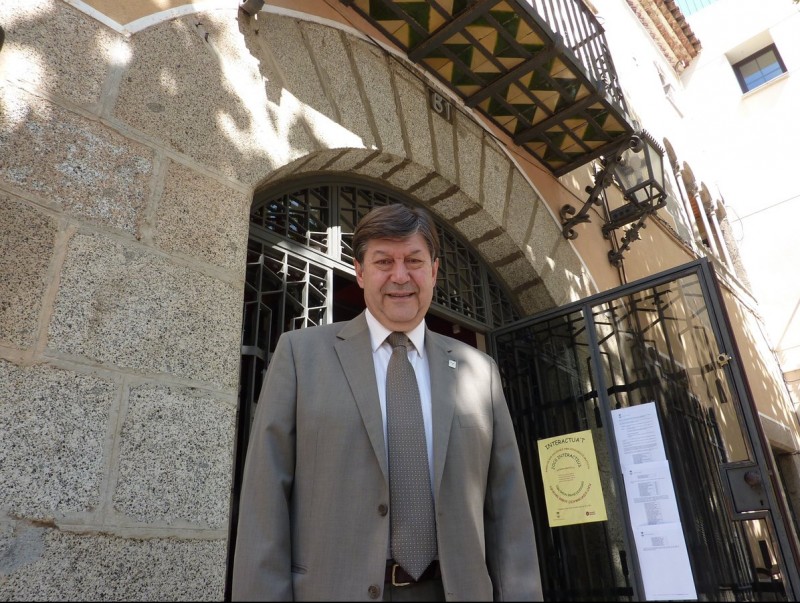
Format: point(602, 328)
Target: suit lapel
point(444, 374)
point(355, 354)
point(354, 349)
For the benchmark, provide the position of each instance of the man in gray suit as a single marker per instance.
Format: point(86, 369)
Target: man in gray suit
point(316, 508)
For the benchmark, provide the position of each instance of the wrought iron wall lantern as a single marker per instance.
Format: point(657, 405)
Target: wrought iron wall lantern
point(637, 168)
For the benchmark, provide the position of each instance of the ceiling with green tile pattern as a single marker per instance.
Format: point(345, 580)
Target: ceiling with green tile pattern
point(547, 82)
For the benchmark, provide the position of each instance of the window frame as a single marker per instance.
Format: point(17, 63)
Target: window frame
point(737, 67)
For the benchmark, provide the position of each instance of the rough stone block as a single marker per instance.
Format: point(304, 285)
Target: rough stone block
point(346, 161)
point(78, 164)
point(54, 424)
point(414, 113)
point(454, 205)
point(124, 306)
point(176, 449)
point(517, 274)
point(569, 283)
point(379, 166)
point(287, 137)
point(331, 57)
point(498, 248)
point(39, 38)
point(545, 237)
point(287, 48)
point(470, 144)
point(284, 46)
point(535, 299)
point(435, 188)
point(475, 225)
point(445, 146)
point(495, 182)
point(522, 204)
point(407, 176)
point(208, 99)
point(198, 216)
point(373, 68)
point(41, 564)
point(26, 246)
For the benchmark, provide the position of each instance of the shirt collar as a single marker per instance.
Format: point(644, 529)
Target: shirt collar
point(378, 334)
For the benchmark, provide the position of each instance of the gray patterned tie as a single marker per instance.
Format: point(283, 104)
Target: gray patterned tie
point(413, 525)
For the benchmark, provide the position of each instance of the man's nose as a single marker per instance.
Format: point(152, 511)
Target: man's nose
point(399, 272)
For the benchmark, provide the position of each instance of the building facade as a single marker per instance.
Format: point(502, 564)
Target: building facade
point(178, 184)
point(751, 167)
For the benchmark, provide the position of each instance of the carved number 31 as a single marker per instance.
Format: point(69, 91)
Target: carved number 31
point(440, 105)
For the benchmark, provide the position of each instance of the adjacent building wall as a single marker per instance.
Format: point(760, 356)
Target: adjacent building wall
point(735, 160)
point(747, 141)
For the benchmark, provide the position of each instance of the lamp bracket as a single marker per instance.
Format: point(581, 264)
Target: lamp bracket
point(631, 235)
point(641, 182)
point(630, 212)
point(602, 179)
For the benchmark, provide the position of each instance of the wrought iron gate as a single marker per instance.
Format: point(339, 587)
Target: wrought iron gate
point(663, 340)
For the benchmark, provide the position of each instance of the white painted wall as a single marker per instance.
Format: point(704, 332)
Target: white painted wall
point(744, 147)
point(749, 142)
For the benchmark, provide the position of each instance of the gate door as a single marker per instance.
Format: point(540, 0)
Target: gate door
point(663, 340)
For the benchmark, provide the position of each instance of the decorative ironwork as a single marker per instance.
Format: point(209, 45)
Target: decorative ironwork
point(302, 216)
point(460, 284)
point(637, 168)
point(631, 235)
point(503, 311)
point(539, 69)
point(602, 179)
point(608, 76)
point(550, 391)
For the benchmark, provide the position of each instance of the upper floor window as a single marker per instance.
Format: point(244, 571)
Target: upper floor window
point(759, 68)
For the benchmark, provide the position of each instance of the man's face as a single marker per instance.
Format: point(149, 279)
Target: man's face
point(398, 277)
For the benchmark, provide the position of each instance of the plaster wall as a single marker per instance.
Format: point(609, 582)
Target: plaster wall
point(741, 147)
point(748, 142)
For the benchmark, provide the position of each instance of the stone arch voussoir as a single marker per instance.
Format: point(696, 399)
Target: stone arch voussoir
point(445, 200)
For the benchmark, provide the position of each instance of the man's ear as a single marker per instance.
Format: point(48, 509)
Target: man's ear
point(359, 273)
point(435, 267)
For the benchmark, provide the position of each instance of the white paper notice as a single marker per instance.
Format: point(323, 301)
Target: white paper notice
point(652, 505)
point(661, 547)
point(651, 498)
point(638, 436)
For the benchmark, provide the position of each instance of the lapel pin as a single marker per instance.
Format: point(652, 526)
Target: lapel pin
point(452, 364)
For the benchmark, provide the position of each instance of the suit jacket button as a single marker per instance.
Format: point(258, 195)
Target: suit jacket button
point(374, 592)
point(383, 510)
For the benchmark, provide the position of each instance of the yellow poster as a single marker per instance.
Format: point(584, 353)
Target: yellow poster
point(572, 488)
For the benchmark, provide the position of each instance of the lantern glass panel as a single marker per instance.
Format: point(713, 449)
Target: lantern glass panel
point(632, 171)
point(640, 173)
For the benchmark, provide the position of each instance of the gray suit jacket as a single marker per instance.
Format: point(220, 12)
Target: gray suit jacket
point(313, 521)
